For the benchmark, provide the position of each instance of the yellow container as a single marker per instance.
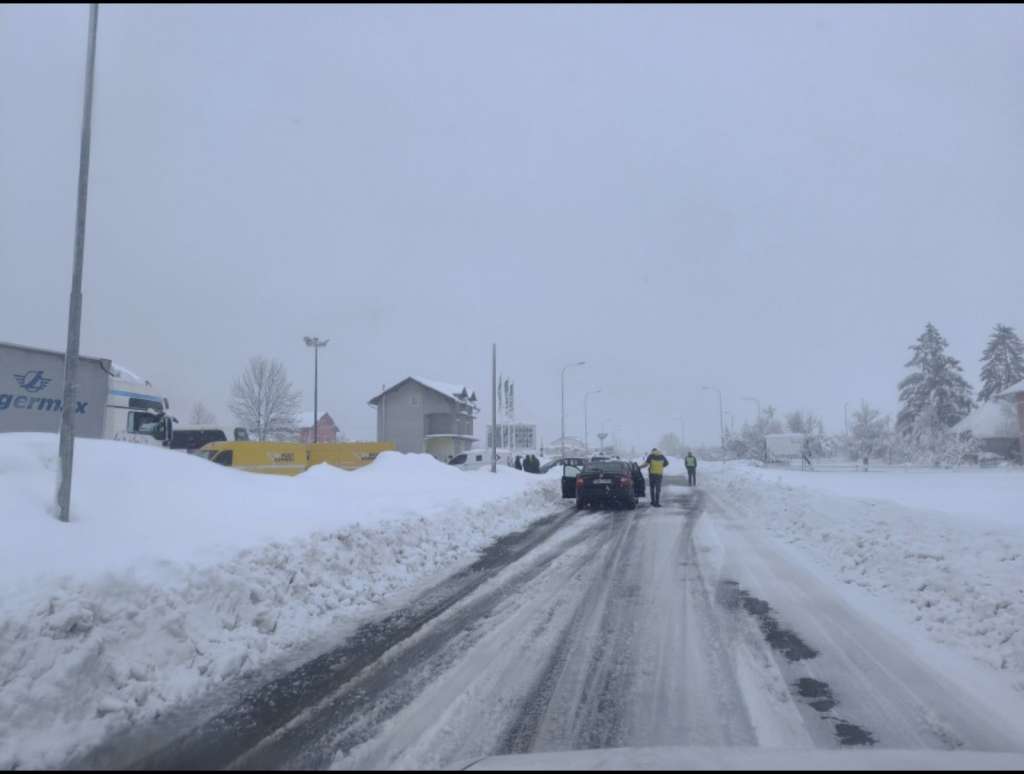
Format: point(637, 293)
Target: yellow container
point(346, 455)
point(289, 459)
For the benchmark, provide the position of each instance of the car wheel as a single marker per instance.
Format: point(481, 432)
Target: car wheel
point(579, 505)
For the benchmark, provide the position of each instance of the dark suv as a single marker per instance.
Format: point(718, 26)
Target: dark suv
point(609, 482)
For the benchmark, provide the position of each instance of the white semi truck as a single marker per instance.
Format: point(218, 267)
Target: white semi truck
point(111, 402)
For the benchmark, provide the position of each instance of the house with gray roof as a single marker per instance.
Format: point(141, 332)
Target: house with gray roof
point(426, 416)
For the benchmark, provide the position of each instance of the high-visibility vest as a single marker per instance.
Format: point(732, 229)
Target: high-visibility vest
point(691, 461)
point(657, 464)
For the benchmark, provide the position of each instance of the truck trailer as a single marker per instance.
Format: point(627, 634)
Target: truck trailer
point(111, 402)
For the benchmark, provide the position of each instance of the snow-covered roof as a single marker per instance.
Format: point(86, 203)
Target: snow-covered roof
point(120, 372)
point(994, 419)
point(1013, 390)
point(458, 392)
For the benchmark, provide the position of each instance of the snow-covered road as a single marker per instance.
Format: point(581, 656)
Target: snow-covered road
point(678, 626)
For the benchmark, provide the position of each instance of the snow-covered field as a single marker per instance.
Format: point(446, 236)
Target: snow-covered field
point(176, 574)
point(939, 551)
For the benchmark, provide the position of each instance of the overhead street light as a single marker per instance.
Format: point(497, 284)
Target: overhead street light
point(315, 343)
point(571, 365)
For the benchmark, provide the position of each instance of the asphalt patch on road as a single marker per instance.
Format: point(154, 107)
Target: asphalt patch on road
point(816, 693)
point(785, 641)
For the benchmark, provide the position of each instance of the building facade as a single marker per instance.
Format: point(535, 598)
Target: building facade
point(327, 430)
point(426, 416)
point(514, 435)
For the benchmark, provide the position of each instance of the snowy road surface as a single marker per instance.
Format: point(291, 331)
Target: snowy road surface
point(673, 626)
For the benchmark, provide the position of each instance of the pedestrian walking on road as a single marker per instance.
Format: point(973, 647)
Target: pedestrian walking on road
point(691, 468)
point(655, 464)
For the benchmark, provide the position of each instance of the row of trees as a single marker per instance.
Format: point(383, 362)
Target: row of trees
point(934, 397)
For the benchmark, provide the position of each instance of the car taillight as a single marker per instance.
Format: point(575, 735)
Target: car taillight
point(625, 481)
point(579, 482)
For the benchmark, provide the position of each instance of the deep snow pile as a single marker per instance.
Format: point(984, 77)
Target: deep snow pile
point(944, 548)
point(176, 574)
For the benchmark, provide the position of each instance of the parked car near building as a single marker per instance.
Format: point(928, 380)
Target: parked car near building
point(191, 438)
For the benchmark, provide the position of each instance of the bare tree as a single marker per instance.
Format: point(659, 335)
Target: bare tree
point(201, 415)
point(264, 401)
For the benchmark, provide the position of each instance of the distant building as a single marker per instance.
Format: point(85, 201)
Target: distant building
point(514, 435)
point(994, 425)
point(327, 430)
point(1015, 395)
point(574, 447)
point(425, 415)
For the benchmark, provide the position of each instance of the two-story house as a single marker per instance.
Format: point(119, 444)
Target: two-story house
point(425, 415)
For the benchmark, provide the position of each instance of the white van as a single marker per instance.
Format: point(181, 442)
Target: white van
point(481, 458)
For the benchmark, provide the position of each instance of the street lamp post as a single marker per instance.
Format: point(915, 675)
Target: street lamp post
point(586, 432)
point(571, 365)
point(315, 343)
point(66, 443)
point(846, 421)
point(721, 420)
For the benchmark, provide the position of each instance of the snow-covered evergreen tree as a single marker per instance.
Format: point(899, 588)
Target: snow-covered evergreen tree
point(1002, 362)
point(935, 393)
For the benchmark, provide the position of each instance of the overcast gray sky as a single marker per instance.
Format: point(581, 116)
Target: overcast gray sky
point(772, 200)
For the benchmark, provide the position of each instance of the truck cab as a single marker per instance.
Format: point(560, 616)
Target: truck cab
point(135, 411)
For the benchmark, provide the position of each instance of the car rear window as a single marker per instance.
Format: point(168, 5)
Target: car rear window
point(606, 467)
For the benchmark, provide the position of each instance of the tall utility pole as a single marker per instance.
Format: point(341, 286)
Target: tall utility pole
point(571, 365)
point(67, 419)
point(494, 408)
point(721, 420)
point(315, 343)
point(586, 432)
point(846, 421)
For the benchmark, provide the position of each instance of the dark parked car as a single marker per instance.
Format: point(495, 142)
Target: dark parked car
point(609, 482)
point(639, 482)
point(571, 467)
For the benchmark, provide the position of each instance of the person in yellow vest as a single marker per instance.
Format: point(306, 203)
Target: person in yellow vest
point(656, 463)
point(691, 468)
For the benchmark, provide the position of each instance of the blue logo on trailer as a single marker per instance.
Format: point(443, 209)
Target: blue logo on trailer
point(32, 381)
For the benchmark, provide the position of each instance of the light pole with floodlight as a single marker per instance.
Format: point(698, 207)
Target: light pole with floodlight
point(315, 343)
